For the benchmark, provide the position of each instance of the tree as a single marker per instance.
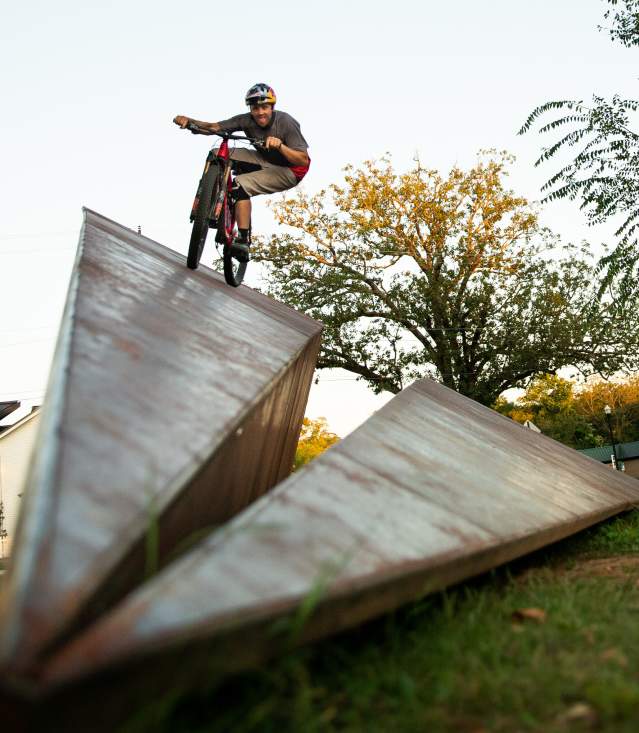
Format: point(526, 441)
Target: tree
point(622, 397)
point(315, 438)
point(549, 403)
point(574, 414)
point(604, 174)
point(625, 21)
point(418, 274)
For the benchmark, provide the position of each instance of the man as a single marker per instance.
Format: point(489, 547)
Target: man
point(279, 166)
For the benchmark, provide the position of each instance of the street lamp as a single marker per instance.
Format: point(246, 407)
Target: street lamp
point(607, 410)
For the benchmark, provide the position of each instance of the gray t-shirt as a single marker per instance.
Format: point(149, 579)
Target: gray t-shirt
point(282, 126)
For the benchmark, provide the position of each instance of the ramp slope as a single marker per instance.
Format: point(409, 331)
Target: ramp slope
point(433, 489)
point(173, 402)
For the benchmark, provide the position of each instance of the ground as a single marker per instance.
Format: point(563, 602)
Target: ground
point(544, 644)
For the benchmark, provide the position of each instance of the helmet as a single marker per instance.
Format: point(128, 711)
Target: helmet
point(260, 94)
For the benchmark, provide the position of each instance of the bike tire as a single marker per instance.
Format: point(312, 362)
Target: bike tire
point(233, 270)
point(201, 220)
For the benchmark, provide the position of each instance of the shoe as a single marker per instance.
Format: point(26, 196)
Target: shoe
point(240, 250)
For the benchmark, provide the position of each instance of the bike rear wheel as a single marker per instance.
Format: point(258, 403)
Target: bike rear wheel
point(201, 220)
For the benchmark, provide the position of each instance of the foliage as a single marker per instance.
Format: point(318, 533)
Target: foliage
point(417, 274)
point(622, 397)
point(604, 173)
point(550, 404)
point(575, 416)
point(625, 21)
point(315, 438)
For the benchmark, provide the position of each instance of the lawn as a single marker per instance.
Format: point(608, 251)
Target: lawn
point(547, 643)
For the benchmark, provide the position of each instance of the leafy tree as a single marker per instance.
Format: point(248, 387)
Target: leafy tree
point(574, 415)
point(548, 394)
point(418, 274)
point(623, 399)
point(625, 21)
point(604, 173)
point(549, 403)
point(315, 438)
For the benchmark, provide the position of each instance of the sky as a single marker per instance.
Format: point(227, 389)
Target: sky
point(90, 90)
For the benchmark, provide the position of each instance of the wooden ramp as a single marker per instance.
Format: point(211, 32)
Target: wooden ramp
point(174, 401)
point(433, 489)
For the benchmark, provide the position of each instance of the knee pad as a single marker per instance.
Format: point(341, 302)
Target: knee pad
point(239, 194)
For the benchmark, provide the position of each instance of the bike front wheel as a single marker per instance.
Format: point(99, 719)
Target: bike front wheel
point(201, 219)
point(233, 270)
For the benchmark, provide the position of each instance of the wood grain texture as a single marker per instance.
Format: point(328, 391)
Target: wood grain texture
point(432, 489)
point(174, 401)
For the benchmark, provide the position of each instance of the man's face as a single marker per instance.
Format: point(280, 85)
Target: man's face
point(262, 113)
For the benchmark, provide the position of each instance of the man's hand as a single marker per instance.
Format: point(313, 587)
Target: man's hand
point(272, 143)
point(181, 120)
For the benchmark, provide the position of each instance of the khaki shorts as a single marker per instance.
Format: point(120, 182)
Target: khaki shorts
point(270, 178)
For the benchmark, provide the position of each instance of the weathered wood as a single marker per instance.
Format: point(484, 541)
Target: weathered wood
point(433, 489)
point(174, 401)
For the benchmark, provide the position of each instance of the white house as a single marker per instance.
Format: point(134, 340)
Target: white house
point(16, 443)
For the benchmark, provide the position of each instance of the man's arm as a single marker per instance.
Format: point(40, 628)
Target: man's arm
point(208, 128)
point(294, 157)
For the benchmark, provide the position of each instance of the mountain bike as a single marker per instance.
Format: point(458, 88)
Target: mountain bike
point(214, 206)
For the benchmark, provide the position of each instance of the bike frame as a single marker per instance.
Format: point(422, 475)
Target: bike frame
point(224, 199)
point(224, 203)
point(218, 212)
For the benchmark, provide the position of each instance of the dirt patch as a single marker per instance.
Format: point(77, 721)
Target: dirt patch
point(620, 567)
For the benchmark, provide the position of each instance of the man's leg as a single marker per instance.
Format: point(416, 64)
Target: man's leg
point(263, 180)
point(243, 213)
point(240, 245)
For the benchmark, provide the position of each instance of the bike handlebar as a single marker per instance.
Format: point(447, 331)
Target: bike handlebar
point(197, 130)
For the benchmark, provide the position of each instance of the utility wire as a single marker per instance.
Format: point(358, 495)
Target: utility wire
point(22, 397)
point(59, 249)
point(35, 235)
point(26, 343)
point(31, 328)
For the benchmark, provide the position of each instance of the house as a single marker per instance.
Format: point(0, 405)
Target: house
point(16, 443)
point(627, 453)
point(6, 408)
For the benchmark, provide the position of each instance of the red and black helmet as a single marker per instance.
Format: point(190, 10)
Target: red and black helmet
point(260, 94)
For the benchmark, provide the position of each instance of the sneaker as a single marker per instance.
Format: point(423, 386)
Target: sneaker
point(240, 250)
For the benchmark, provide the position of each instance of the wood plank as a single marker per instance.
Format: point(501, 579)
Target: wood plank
point(432, 489)
point(174, 400)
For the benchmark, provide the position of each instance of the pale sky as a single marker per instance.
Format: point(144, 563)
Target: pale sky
point(90, 90)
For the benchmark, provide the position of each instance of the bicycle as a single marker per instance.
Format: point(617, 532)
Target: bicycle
point(214, 206)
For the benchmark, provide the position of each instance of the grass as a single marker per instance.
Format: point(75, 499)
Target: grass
point(460, 660)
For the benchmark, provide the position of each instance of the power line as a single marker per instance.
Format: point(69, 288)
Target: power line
point(59, 249)
point(22, 393)
point(29, 329)
point(26, 343)
point(35, 235)
point(35, 399)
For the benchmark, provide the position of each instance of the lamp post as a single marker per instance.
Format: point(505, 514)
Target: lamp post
point(607, 410)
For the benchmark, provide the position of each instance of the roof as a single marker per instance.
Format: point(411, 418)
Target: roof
point(19, 423)
point(6, 408)
point(625, 451)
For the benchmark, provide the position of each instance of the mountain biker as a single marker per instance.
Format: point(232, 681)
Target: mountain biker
point(280, 165)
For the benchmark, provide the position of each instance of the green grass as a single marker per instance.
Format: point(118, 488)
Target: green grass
point(458, 661)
